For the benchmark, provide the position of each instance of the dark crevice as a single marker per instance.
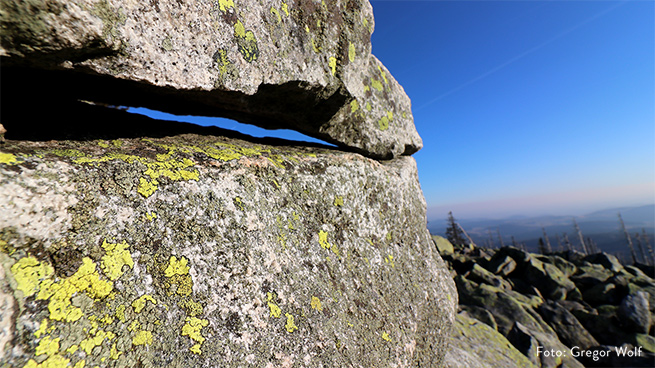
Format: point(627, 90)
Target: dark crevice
point(54, 105)
point(49, 101)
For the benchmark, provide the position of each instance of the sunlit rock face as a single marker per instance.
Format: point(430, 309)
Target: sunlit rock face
point(303, 64)
point(197, 250)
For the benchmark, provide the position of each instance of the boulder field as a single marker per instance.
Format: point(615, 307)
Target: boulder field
point(559, 309)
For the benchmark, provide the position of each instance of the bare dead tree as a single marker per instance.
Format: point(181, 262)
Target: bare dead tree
point(567, 243)
point(560, 247)
point(491, 239)
point(500, 238)
point(650, 249)
point(627, 238)
point(580, 237)
point(466, 234)
point(549, 249)
point(641, 248)
point(592, 245)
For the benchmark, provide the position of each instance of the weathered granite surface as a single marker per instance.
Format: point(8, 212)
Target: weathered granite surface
point(299, 64)
point(204, 251)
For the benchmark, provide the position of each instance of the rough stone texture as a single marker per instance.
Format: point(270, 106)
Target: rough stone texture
point(299, 64)
point(474, 344)
point(528, 340)
point(634, 312)
point(205, 251)
point(568, 328)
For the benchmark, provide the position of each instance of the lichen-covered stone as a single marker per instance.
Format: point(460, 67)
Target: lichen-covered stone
point(204, 251)
point(475, 344)
point(298, 64)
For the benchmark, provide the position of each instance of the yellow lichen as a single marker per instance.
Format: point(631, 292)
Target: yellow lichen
point(29, 273)
point(389, 260)
point(354, 106)
point(290, 325)
point(114, 353)
point(42, 328)
point(277, 14)
point(285, 8)
point(225, 4)
point(316, 304)
point(384, 75)
point(351, 52)
point(140, 303)
point(72, 349)
point(80, 364)
point(338, 201)
point(332, 63)
point(89, 343)
point(54, 361)
point(368, 106)
point(322, 239)
point(376, 84)
point(383, 123)
point(151, 216)
point(60, 293)
point(142, 338)
point(7, 158)
point(147, 188)
point(177, 267)
point(192, 329)
point(47, 346)
point(276, 312)
point(120, 313)
point(385, 336)
point(115, 258)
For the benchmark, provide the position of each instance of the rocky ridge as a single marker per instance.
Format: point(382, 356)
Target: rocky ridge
point(559, 309)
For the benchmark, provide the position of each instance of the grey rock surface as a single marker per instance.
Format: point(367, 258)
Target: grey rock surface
point(634, 312)
point(475, 344)
point(297, 64)
point(206, 251)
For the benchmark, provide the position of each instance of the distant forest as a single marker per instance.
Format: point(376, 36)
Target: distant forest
point(599, 231)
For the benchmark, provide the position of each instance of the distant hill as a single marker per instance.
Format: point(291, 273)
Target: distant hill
point(601, 226)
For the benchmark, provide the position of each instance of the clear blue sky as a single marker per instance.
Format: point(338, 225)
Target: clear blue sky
point(524, 107)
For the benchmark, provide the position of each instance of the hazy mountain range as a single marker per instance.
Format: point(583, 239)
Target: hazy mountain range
point(602, 227)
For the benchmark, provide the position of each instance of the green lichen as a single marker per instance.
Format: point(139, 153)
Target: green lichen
point(338, 201)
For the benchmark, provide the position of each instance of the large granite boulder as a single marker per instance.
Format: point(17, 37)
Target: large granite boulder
point(297, 64)
point(202, 251)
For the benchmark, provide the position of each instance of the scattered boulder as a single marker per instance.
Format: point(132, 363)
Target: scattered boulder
point(569, 330)
point(501, 264)
point(608, 261)
point(475, 344)
point(634, 313)
point(543, 350)
point(443, 245)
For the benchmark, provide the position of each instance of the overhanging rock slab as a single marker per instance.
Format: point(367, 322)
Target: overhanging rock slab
point(204, 251)
point(298, 64)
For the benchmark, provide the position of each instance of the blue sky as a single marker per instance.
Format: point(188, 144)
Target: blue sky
point(524, 107)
